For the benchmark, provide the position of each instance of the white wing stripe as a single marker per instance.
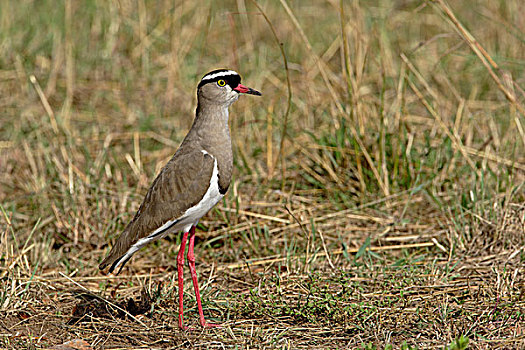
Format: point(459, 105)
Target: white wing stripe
point(163, 227)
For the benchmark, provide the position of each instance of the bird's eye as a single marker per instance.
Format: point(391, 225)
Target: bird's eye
point(221, 83)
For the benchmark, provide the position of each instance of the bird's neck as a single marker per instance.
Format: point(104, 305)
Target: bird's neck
point(210, 132)
point(214, 115)
point(210, 126)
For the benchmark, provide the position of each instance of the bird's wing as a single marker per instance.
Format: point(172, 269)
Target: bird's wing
point(180, 185)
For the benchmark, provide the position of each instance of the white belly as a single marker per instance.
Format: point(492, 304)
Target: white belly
point(210, 199)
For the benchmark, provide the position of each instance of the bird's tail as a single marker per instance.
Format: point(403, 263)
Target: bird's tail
point(119, 255)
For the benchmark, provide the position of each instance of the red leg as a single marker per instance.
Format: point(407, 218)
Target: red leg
point(193, 270)
point(180, 277)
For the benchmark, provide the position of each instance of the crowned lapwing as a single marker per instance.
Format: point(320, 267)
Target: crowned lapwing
point(190, 184)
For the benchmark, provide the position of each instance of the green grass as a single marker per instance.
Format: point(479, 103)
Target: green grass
point(378, 190)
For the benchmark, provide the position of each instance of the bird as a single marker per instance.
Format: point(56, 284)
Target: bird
point(193, 181)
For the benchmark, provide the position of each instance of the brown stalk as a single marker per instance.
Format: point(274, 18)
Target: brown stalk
point(485, 59)
point(289, 100)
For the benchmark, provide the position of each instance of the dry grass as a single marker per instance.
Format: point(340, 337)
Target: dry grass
point(377, 198)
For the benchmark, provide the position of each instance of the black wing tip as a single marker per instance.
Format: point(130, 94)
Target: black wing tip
point(104, 264)
point(113, 266)
point(116, 263)
point(102, 267)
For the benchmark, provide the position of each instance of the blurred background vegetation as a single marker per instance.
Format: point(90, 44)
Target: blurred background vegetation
point(381, 123)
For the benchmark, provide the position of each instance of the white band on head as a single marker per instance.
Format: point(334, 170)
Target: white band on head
point(219, 74)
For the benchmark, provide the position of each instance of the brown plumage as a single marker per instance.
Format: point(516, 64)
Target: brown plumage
point(169, 197)
point(191, 183)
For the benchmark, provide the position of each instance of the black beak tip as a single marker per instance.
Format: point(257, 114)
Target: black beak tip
point(254, 92)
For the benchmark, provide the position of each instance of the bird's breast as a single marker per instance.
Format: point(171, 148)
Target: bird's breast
point(212, 196)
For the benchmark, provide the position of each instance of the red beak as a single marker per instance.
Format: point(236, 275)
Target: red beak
point(246, 90)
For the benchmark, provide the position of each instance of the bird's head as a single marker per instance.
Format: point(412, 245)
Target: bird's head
point(223, 86)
